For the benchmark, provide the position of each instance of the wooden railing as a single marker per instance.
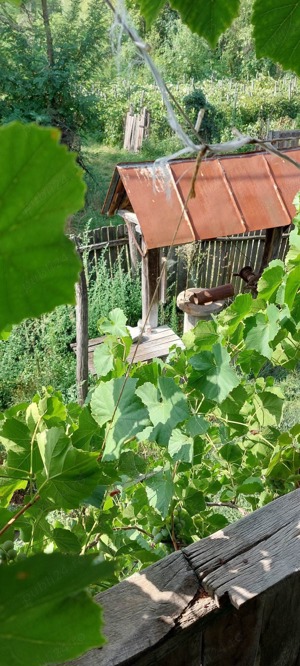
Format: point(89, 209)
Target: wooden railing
point(231, 599)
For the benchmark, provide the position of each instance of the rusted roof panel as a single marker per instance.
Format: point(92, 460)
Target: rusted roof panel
point(233, 194)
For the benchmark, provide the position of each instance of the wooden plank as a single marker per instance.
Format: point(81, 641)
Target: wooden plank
point(155, 600)
point(262, 566)
point(154, 345)
point(163, 616)
point(221, 548)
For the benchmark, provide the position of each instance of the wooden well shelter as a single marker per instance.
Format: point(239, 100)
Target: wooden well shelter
point(233, 195)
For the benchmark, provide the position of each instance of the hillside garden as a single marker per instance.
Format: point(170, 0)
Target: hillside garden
point(165, 453)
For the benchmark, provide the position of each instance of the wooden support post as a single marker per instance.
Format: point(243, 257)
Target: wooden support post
point(272, 244)
point(82, 338)
point(150, 275)
point(133, 239)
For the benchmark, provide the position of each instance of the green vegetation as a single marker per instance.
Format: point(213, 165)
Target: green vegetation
point(160, 452)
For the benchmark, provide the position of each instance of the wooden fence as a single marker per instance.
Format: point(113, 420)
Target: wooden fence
point(229, 599)
point(136, 129)
point(201, 264)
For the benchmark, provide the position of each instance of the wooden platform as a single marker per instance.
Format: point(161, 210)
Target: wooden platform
point(156, 344)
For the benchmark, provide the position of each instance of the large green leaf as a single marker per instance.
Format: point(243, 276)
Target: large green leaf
point(66, 541)
point(87, 428)
point(292, 285)
point(45, 616)
point(167, 407)
point(16, 438)
point(213, 375)
point(115, 403)
point(261, 329)
point(181, 447)
point(71, 474)
point(114, 324)
point(271, 279)
point(268, 407)
point(151, 8)
point(208, 18)
point(276, 31)
point(40, 186)
point(160, 489)
point(231, 317)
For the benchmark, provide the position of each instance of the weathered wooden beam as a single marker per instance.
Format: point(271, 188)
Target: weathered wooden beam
point(229, 599)
point(82, 338)
point(272, 245)
point(150, 293)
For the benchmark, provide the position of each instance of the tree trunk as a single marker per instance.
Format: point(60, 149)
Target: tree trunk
point(50, 52)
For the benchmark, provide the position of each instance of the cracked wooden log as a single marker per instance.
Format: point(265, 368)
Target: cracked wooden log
point(231, 599)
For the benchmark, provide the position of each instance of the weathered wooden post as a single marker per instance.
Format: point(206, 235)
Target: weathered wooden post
point(272, 245)
point(150, 292)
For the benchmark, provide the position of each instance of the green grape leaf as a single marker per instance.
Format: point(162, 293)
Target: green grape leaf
point(159, 490)
point(293, 255)
point(16, 438)
point(231, 317)
point(7, 489)
point(167, 407)
point(276, 31)
point(203, 336)
point(114, 324)
point(87, 428)
point(103, 360)
point(45, 614)
point(213, 375)
point(194, 501)
point(231, 452)
point(181, 447)
point(40, 186)
point(268, 407)
point(271, 279)
point(208, 18)
point(66, 541)
point(250, 486)
point(71, 474)
point(150, 9)
point(217, 521)
point(292, 286)
point(196, 425)
point(261, 329)
point(115, 403)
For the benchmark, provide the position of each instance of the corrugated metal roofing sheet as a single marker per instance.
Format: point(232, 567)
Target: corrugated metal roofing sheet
point(234, 194)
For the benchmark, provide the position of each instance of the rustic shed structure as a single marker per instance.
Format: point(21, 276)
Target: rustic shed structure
point(231, 599)
point(233, 195)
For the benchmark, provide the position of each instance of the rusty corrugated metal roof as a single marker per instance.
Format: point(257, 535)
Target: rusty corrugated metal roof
point(234, 194)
